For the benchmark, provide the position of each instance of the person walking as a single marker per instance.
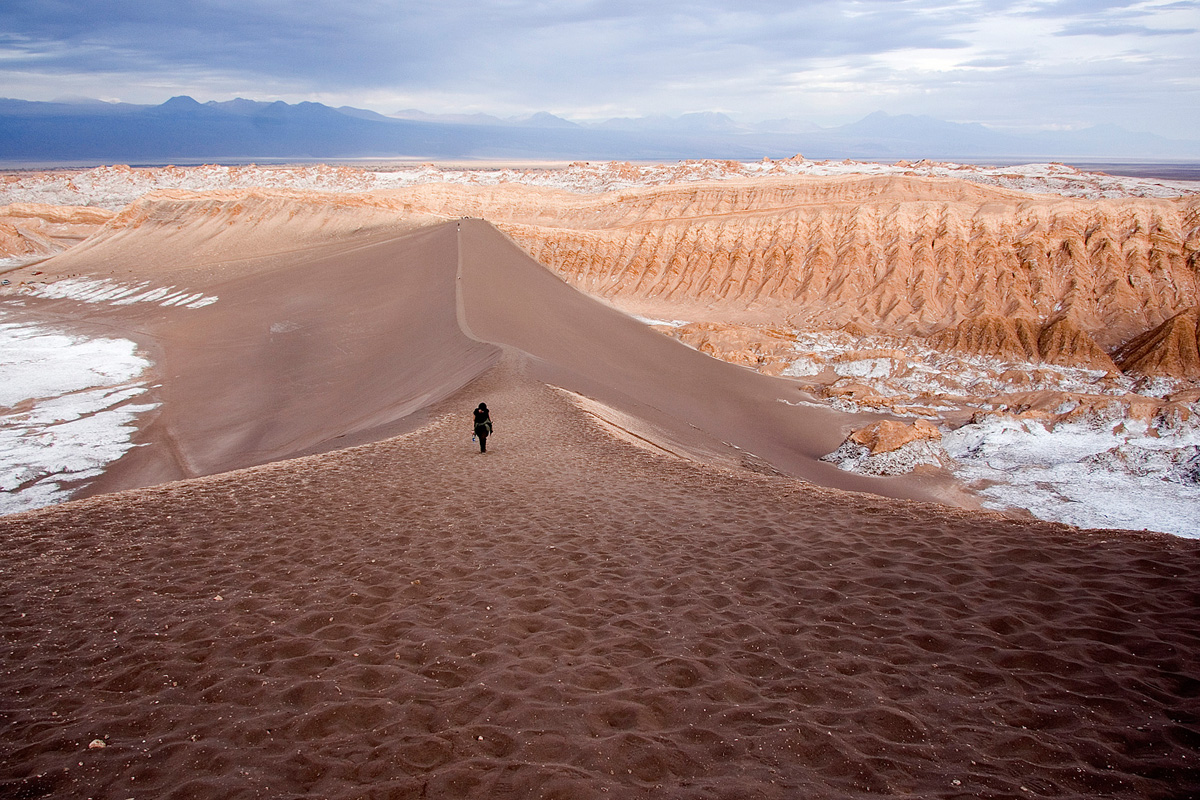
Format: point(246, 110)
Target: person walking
point(483, 426)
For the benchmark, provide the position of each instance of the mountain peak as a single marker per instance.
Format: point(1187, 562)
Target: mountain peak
point(544, 119)
point(180, 102)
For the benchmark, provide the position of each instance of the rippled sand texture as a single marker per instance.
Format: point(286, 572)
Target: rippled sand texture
point(574, 616)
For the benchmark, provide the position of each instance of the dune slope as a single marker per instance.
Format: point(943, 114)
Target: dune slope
point(317, 332)
point(572, 615)
point(724, 411)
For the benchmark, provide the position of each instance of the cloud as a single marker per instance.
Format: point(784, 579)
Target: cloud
point(1119, 29)
point(816, 59)
point(382, 43)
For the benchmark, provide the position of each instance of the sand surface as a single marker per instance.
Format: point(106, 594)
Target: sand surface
point(571, 615)
point(638, 592)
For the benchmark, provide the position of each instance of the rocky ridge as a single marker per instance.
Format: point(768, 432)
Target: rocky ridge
point(116, 186)
point(903, 255)
point(1061, 341)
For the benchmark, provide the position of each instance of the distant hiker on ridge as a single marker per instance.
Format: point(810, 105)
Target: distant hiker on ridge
point(483, 426)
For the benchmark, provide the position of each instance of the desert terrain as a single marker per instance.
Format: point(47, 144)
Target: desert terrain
point(747, 526)
point(1041, 318)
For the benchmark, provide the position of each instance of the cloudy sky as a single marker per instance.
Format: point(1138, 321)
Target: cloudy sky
point(1025, 64)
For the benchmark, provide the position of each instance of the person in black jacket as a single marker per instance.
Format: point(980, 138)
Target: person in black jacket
point(483, 426)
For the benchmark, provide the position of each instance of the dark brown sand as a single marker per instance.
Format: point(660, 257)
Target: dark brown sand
point(575, 614)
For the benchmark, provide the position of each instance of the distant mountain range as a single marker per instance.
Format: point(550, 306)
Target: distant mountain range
point(182, 130)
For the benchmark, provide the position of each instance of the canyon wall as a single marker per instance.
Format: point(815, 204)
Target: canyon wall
point(898, 254)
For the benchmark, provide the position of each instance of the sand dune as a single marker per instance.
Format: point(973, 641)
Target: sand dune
point(571, 615)
point(630, 595)
point(312, 348)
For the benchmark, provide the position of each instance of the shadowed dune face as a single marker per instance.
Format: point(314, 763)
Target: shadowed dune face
point(704, 405)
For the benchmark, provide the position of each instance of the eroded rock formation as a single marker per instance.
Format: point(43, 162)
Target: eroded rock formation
point(889, 447)
point(1171, 350)
point(888, 435)
point(34, 230)
point(905, 254)
point(1019, 339)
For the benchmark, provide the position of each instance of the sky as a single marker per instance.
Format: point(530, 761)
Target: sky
point(1030, 64)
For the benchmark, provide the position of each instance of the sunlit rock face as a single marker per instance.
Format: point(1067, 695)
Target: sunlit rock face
point(891, 448)
point(900, 254)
